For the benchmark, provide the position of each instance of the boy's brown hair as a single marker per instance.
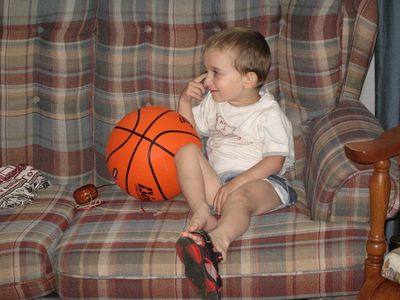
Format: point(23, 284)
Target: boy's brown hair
point(251, 50)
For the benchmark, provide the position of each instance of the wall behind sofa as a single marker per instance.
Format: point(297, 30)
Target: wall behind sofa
point(368, 92)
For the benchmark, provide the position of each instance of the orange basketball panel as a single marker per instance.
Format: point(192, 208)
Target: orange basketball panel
point(140, 120)
point(131, 171)
point(141, 183)
point(119, 156)
point(163, 165)
point(116, 140)
point(171, 121)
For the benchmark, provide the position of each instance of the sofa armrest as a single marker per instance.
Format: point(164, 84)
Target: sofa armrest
point(336, 188)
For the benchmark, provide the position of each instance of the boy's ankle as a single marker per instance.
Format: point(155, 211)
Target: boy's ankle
point(201, 207)
point(220, 244)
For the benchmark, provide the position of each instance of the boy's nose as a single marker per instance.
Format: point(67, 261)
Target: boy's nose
point(206, 81)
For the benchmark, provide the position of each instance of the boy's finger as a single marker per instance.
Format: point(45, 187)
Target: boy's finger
point(197, 94)
point(200, 78)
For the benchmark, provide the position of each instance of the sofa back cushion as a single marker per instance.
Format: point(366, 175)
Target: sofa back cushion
point(73, 69)
point(147, 53)
point(46, 87)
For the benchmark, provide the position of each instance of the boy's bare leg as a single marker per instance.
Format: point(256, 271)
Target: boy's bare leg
point(199, 183)
point(253, 198)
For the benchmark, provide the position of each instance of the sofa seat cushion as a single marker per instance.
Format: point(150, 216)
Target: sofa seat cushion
point(116, 250)
point(28, 237)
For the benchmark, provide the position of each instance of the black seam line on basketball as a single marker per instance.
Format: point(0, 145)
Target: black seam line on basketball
point(146, 138)
point(169, 152)
point(138, 144)
point(126, 140)
point(153, 142)
point(132, 155)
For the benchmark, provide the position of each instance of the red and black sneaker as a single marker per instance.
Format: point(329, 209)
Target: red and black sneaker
point(201, 265)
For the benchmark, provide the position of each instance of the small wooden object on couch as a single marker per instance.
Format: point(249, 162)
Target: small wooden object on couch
point(377, 152)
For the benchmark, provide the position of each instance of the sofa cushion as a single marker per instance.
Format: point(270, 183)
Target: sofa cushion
point(28, 237)
point(116, 250)
point(46, 87)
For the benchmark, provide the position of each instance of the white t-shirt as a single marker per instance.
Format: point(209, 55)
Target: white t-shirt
point(240, 136)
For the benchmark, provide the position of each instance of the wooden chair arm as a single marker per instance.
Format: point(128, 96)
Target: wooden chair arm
point(377, 152)
point(368, 152)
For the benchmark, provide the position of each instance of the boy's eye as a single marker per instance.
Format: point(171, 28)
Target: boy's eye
point(214, 73)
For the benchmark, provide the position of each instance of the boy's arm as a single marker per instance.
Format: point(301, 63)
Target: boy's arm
point(194, 90)
point(185, 109)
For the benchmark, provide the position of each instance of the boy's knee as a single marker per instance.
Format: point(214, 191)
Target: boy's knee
point(190, 150)
point(243, 199)
point(241, 196)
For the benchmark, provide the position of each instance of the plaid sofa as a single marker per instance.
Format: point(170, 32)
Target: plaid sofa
point(69, 70)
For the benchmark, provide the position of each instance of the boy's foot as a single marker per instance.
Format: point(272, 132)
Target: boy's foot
point(201, 265)
point(202, 219)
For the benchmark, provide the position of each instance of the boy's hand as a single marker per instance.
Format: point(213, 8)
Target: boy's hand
point(223, 193)
point(194, 89)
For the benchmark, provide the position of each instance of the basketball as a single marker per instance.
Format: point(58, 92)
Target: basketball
point(141, 148)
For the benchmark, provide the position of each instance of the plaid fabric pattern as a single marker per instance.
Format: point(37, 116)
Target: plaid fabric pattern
point(337, 189)
point(116, 250)
point(28, 237)
point(350, 201)
point(309, 66)
point(46, 84)
point(70, 70)
point(357, 45)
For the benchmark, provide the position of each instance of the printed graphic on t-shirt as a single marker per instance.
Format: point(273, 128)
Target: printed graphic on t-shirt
point(224, 129)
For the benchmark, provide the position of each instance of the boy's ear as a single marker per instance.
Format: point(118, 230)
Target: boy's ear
point(251, 80)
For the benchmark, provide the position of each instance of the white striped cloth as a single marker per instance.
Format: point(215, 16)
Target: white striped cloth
point(19, 184)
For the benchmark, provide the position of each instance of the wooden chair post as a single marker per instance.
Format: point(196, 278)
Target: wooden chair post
point(379, 199)
point(377, 152)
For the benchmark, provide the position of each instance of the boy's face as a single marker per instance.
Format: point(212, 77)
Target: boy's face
point(225, 82)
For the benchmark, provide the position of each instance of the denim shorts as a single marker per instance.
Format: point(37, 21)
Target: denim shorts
point(280, 184)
